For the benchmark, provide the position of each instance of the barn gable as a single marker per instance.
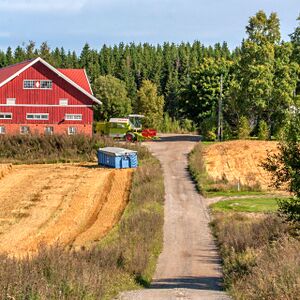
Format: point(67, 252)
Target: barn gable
point(75, 77)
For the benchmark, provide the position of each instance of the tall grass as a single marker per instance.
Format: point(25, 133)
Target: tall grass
point(260, 259)
point(125, 258)
point(54, 148)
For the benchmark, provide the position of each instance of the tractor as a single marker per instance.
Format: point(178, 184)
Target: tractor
point(128, 129)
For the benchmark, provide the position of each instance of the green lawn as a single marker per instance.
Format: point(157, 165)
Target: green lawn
point(247, 205)
point(231, 193)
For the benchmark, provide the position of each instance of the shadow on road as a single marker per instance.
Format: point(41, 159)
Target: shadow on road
point(179, 138)
point(189, 282)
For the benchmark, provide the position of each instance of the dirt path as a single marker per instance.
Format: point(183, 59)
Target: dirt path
point(189, 266)
point(68, 204)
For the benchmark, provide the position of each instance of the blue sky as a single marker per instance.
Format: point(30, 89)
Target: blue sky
point(71, 23)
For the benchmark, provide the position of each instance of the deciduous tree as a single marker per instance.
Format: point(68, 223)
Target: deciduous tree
point(113, 94)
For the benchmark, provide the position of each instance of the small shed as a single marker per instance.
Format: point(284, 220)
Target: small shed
point(118, 158)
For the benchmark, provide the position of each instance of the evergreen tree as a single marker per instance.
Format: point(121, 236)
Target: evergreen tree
point(9, 58)
point(19, 54)
point(30, 48)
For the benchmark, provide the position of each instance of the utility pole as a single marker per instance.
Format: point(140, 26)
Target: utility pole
point(220, 115)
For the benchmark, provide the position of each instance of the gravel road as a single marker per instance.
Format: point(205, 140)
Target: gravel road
point(189, 266)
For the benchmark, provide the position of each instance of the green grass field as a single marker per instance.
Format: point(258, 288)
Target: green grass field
point(231, 193)
point(246, 205)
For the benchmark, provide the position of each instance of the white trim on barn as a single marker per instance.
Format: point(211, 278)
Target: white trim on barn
point(39, 59)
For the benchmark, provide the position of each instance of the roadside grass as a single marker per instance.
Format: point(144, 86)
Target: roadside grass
point(39, 149)
point(125, 259)
point(253, 205)
point(260, 256)
point(260, 259)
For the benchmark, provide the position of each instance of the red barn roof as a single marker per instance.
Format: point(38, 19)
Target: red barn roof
point(76, 77)
point(9, 71)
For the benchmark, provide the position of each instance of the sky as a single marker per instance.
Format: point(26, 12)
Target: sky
point(72, 23)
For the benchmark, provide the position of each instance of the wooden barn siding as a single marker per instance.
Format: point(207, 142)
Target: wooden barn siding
point(56, 114)
point(60, 89)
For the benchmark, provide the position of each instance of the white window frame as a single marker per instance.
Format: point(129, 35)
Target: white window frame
point(28, 129)
point(33, 84)
point(73, 117)
point(63, 102)
point(2, 129)
point(49, 132)
point(72, 130)
point(37, 116)
point(5, 116)
point(10, 101)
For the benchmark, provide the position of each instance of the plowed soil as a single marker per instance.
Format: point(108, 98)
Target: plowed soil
point(235, 161)
point(64, 204)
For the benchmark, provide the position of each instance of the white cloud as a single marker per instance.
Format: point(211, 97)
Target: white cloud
point(42, 5)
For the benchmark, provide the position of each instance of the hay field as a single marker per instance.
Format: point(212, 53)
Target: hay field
point(235, 161)
point(68, 204)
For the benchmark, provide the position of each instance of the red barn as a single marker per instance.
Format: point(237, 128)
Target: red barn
point(37, 98)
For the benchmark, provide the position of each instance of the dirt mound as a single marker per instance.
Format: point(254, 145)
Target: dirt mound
point(235, 161)
point(62, 203)
point(5, 169)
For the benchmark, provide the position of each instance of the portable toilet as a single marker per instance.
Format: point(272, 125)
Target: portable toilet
point(118, 158)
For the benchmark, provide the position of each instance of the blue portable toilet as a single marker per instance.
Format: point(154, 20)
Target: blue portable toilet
point(118, 158)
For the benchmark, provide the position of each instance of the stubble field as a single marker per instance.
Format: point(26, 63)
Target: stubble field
point(72, 205)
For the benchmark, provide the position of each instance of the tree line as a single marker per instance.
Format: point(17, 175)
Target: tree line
point(261, 84)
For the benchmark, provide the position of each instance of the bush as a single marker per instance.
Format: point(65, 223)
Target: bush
point(208, 129)
point(244, 128)
point(263, 131)
point(276, 274)
point(260, 260)
point(54, 148)
point(170, 125)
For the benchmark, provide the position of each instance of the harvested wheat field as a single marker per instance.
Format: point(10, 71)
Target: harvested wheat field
point(66, 204)
point(235, 161)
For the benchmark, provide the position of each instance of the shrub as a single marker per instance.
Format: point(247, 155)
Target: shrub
point(263, 131)
point(260, 260)
point(171, 125)
point(244, 128)
point(276, 274)
point(208, 129)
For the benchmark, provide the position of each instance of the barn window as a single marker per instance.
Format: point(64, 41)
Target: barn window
point(63, 102)
point(24, 130)
point(29, 84)
point(46, 84)
point(37, 116)
point(11, 101)
point(5, 116)
point(37, 84)
point(49, 130)
point(2, 129)
point(73, 117)
point(72, 130)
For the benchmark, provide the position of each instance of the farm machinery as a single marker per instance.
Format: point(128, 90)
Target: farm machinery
point(129, 129)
